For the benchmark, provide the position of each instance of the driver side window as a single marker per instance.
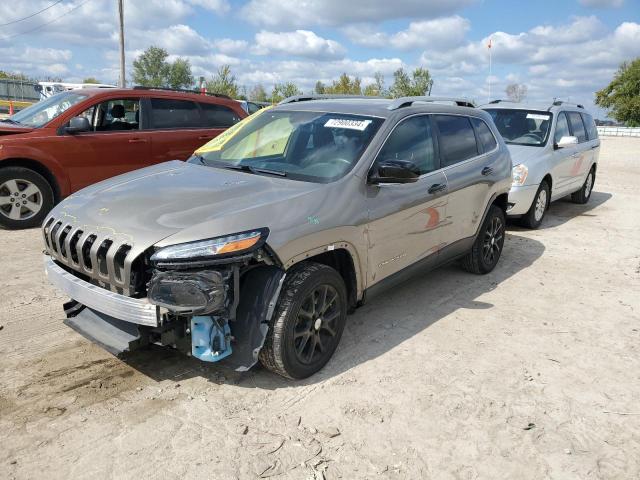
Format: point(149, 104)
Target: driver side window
point(411, 140)
point(114, 115)
point(562, 127)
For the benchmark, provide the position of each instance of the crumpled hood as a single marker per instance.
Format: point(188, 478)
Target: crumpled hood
point(151, 204)
point(525, 155)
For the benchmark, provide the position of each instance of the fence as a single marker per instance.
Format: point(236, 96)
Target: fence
point(619, 131)
point(18, 90)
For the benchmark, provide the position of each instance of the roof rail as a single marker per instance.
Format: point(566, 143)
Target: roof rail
point(408, 101)
point(320, 96)
point(557, 103)
point(167, 89)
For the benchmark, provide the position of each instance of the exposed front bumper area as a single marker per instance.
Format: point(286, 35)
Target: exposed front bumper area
point(121, 307)
point(521, 198)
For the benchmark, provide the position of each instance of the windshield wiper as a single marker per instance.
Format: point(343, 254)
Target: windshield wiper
point(250, 169)
point(8, 120)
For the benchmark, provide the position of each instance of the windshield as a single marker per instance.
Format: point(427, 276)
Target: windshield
point(522, 127)
point(311, 146)
point(44, 111)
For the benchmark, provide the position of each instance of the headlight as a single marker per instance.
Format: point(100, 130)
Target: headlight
point(519, 174)
point(215, 247)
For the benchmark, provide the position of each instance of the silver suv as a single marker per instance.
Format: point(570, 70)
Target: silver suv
point(555, 152)
point(258, 246)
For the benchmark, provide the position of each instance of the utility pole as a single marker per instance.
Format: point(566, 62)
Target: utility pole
point(122, 83)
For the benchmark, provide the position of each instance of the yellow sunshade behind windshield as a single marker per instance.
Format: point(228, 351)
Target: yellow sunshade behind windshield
point(221, 140)
point(270, 139)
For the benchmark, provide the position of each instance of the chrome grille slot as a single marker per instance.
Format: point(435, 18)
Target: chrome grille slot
point(105, 261)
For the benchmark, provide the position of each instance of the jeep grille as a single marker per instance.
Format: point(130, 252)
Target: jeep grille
point(98, 257)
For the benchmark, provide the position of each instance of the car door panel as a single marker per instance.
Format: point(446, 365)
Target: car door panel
point(405, 224)
point(115, 145)
point(405, 220)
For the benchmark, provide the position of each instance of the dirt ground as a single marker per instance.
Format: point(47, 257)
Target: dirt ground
point(530, 372)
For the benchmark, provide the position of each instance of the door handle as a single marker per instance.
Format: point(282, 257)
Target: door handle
point(594, 146)
point(205, 137)
point(575, 155)
point(137, 140)
point(487, 171)
point(437, 187)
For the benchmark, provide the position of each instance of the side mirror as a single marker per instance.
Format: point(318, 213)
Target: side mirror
point(395, 171)
point(567, 141)
point(78, 125)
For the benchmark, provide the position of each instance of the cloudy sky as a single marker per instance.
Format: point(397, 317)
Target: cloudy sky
point(561, 48)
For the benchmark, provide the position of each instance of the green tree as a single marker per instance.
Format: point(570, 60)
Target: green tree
point(14, 76)
point(376, 89)
point(180, 74)
point(622, 96)
point(258, 94)
point(345, 86)
point(404, 86)
point(319, 88)
point(284, 90)
point(223, 82)
point(152, 69)
point(91, 80)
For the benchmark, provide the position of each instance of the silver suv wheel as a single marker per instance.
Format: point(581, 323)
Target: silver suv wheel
point(541, 205)
point(20, 199)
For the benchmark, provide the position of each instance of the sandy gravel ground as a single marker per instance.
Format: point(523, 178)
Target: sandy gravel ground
point(530, 372)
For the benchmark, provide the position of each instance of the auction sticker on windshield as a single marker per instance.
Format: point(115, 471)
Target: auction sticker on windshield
point(221, 140)
point(360, 125)
point(535, 116)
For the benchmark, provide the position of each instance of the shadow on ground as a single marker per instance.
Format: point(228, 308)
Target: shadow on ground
point(563, 210)
point(373, 330)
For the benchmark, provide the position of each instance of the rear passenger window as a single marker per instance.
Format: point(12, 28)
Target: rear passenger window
point(577, 126)
point(169, 113)
point(411, 140)
point(592, 130)
point(457, 140)
point(562, 128)
point(218, 116)
point(487, 140)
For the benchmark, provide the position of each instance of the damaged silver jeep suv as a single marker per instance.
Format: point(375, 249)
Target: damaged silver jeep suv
point(258, 247)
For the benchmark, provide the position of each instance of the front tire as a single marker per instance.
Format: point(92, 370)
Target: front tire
point(583, 195)
point(486, 250)
point(533, 218)
point(25, 198)
point(308, 322)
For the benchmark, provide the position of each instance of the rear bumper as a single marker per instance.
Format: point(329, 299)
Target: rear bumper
point(521, 198)
point(120, 307)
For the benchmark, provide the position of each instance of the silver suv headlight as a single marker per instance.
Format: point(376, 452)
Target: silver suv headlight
point(519, 174)
point(216, 247)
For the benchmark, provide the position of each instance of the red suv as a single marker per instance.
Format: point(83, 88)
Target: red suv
point(66, 142)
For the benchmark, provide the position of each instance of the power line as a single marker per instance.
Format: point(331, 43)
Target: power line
point(32, 15)
point(47, 23)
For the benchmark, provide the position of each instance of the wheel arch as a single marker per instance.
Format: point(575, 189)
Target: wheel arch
point(39, 168)
point(340, 259)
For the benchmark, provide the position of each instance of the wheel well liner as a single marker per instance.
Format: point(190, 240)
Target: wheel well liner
point(341, 261)
point(501, 201)
point(38, 168)
point(549, 180)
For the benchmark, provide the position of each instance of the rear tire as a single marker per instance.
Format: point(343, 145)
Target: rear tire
point(307, 325)
point(583, 195)
point(486, 250)
point(533, 218)
point(25, 198)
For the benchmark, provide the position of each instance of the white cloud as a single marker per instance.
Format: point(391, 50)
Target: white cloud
point(602, 3)
point(439, 33)
point(217, 6)
point(302, 43)
point(287, 13)
point(228, 45)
